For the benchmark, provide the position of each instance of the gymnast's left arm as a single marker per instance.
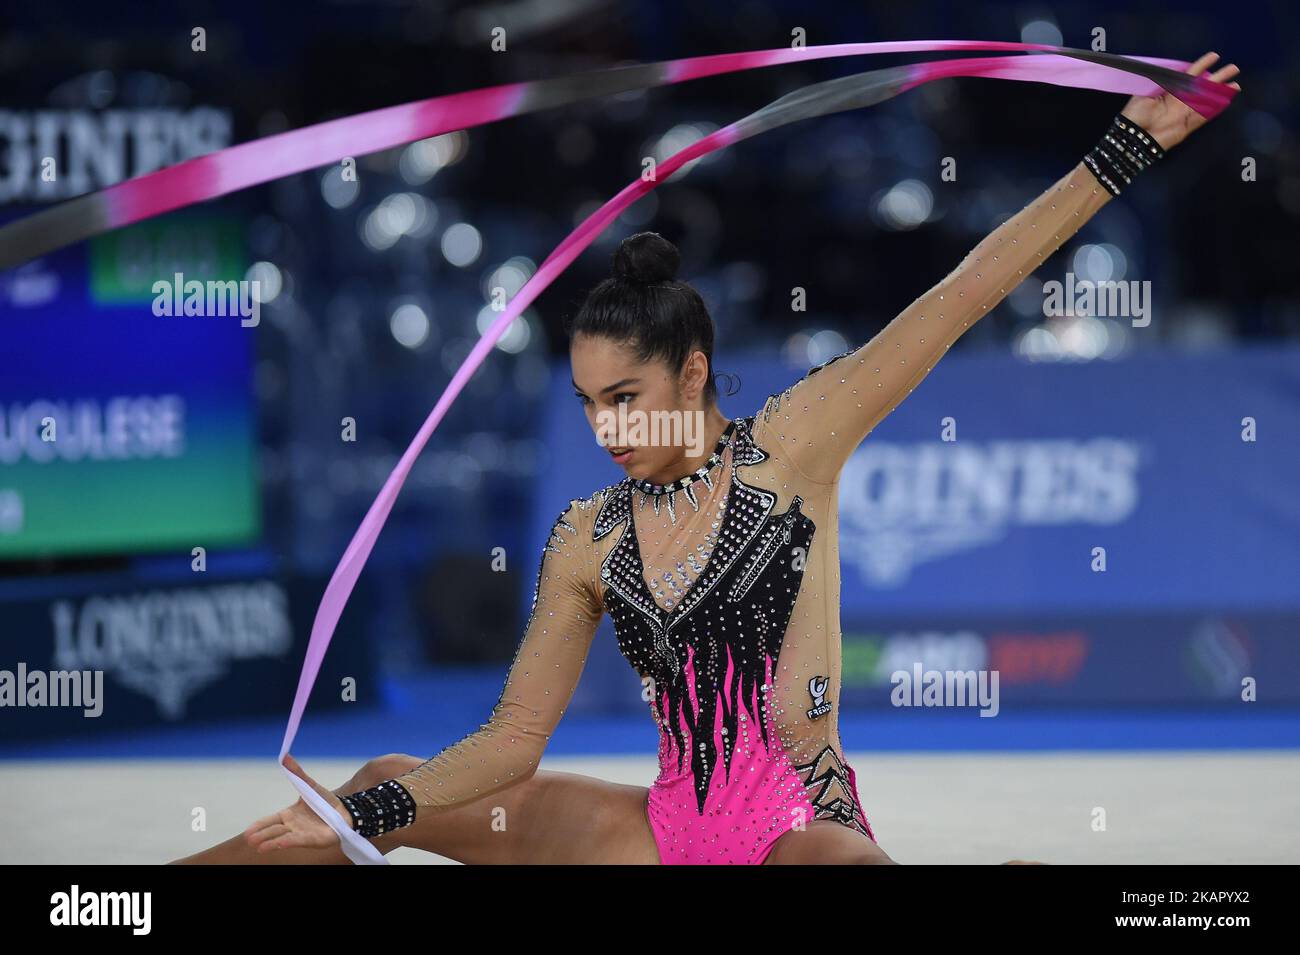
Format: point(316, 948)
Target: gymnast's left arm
point(820, 420)
point(506, 750)
point(831, 410)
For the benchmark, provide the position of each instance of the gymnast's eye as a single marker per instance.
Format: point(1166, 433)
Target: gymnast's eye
point(582, 399)
point(623, 397)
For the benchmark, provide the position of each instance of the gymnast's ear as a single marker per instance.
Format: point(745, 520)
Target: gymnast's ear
point(695, 375)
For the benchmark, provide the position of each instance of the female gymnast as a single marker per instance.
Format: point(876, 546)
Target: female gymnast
point(720, 571)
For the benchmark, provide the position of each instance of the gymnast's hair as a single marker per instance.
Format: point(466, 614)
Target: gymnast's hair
point(643, 306)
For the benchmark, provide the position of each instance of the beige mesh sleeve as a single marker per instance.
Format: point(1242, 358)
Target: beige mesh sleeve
point(548, 662)
point(824, 417)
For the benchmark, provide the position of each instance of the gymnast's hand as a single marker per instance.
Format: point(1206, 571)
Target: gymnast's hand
point(297, 827)
point(1166, 117)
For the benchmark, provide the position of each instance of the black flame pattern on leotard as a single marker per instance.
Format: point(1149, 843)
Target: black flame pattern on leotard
point(750, 578)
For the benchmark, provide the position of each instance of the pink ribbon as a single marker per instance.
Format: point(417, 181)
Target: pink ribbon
point(273, 157)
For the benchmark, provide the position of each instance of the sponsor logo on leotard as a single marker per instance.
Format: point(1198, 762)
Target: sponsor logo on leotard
point(817, 687)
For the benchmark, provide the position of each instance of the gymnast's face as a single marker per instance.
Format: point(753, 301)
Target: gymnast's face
point(614, 387)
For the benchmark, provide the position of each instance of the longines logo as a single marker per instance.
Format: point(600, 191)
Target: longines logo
point(902, 505)
point(53, 154)
point(168, 645)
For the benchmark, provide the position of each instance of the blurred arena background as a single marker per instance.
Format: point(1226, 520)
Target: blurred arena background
point(1120, 690)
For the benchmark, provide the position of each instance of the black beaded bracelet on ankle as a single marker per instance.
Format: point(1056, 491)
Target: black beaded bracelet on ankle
point(1124, 151)
point(380, 809)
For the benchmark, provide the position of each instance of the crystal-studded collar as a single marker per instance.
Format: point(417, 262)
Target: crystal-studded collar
point(616, 500)
point(699, 474)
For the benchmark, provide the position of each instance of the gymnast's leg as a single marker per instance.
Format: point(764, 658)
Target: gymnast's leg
point(826, 842)
point(549, 818)
point(235, 851)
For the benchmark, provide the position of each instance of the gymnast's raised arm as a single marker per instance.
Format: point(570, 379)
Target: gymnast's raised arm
point(820, 420)
point(838, 404)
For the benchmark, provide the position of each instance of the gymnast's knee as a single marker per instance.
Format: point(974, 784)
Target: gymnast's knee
point(871, 855)
point(375, 771)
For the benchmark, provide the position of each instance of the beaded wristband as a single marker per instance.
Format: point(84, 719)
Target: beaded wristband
point(1124, 151)
point(380, 809)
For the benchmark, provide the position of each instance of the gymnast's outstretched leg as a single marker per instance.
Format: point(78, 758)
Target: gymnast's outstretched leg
point(826, 842)
point(549, 818)
point(237, 851)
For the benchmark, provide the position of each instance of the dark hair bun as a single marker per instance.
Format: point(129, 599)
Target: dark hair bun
point(645, 258)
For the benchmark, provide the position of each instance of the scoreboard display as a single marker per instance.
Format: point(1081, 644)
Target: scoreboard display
point(122, 430)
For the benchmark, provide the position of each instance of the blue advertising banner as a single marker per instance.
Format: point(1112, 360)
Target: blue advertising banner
point(105, 656)
point(1238, 660)
point(1138, 659)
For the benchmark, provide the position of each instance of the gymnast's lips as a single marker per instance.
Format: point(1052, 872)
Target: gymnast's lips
point(621, 455)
